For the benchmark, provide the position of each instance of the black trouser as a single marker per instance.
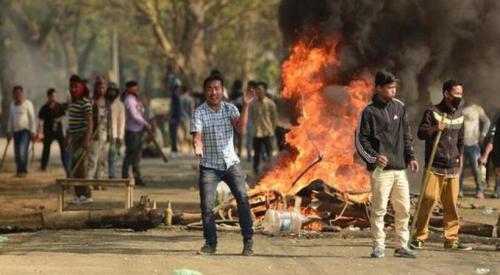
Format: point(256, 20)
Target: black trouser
point(47, 142)
point(133, 150)
point(173, 128)
point(258, 142)
point(280, 137)
point(238, 142)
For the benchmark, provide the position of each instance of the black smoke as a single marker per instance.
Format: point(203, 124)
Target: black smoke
point(424, 42)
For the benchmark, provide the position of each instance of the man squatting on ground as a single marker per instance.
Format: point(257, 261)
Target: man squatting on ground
point(384, 139)
point(212, 129)
point(443, 182)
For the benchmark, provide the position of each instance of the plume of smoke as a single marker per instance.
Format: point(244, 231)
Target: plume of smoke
point(425, 42)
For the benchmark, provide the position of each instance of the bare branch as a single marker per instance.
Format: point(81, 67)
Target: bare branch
point(151, 14)
point(231, 19)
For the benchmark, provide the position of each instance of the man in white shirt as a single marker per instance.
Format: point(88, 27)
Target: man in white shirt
point(21, 126)
point(474, 117)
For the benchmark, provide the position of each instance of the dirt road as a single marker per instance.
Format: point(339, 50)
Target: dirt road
point(162, 250)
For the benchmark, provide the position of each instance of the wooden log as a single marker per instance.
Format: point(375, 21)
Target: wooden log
point(354, 211)
point(498, 228)
point(139, 218)
point(186, 218)
point(356, 222)
point(467, 227)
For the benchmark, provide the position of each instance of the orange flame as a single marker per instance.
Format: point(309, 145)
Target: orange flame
point(325, 127)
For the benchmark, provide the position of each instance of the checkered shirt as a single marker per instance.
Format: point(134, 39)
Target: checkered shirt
point(217, 135)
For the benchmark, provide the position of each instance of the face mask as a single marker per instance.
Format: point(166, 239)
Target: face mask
point(455, 101)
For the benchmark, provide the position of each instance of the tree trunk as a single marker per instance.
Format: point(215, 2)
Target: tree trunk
point(70, 52)
point(248, 46)
point(84, 57)
point(149, 11)
point(193, 41)
point(5, 79)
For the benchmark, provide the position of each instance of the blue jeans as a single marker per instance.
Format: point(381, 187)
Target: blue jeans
point(235, 179)
point(21, 147)
point(471, 156)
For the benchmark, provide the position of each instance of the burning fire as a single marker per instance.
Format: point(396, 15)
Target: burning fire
point(322, 141)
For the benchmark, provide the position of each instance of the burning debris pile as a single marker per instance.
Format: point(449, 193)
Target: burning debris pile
point(318, 180)
point(318, 174)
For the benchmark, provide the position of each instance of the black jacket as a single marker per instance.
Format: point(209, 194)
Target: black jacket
point(494, 138)
point(451, 144)
point(384, 130)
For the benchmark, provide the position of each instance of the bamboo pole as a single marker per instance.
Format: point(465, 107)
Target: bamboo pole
point(157, 145)
point(5, 153)
point(425, 179)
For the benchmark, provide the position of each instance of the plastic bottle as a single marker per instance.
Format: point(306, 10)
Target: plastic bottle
point(481, 173)
point(276, 221)
point(168, 214)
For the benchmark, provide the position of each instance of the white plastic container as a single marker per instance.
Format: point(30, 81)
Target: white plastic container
point(276, 221)
point(481, 173)
point(222, 193)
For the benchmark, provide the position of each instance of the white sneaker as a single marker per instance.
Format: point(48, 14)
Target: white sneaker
point(86, 200)
point(76, 201)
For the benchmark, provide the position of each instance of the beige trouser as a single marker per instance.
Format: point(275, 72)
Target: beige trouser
point(98, 159)
point(445, 189)
point(391, 184)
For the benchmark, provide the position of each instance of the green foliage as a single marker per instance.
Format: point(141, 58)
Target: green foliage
point(240, 38)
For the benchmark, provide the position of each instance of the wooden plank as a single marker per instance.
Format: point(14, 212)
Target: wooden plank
point(84, 182)
point(132, 196)
point(128, 183)
point(91, 184)
point(127, 198)
point(60, 202)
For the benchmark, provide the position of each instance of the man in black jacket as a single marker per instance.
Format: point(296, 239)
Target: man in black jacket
point(384, 141)
point(493, 145)
point(443, 182)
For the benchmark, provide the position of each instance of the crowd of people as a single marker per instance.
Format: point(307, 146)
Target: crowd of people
point(217, 125)
point(98, 124)
point(269, 119)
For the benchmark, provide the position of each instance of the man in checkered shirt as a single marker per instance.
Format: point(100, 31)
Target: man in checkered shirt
point(212, 129)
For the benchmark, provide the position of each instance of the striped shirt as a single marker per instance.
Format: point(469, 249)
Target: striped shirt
point(78, 112)
point(216, 132)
